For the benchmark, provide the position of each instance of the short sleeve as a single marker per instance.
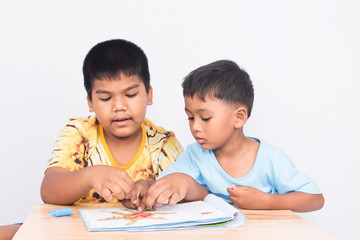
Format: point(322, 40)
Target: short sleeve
point(184, 164)
point(290, 179)
point(169, 152)
point(70, 148)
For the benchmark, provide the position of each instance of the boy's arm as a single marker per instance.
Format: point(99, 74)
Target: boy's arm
point(8, 231)
point(173, 187)
point(252, 198)
point(60, 186)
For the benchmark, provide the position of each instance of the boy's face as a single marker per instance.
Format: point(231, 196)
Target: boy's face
point(212, 122)
point(120, 105)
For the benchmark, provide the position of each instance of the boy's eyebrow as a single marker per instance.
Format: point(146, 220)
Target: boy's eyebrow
point(126, 89)
point(102, 91)
point(131, 87)
point(198, 110)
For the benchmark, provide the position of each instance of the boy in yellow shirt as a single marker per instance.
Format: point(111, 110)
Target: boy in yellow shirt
point(97, 158)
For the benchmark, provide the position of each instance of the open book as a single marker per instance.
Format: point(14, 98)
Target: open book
point(212, 212)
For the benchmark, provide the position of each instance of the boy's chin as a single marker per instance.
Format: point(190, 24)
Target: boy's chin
point(205, 146)
point(127, 133)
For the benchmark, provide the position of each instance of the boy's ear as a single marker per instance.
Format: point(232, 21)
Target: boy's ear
point(91, 109)
point(240, 116)
point(150, 96)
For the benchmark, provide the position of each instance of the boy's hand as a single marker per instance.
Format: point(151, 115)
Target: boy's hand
point(108, 180)
point(141, 188)
point(252, 198)
point(247, 197)
point(172, 187)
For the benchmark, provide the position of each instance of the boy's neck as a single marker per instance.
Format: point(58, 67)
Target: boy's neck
point(238, 156)
point(235, 146)
point(123, 150)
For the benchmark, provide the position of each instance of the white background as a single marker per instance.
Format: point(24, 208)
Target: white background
point(303, 58)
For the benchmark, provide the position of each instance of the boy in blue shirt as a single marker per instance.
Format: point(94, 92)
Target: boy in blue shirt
point(248, 172)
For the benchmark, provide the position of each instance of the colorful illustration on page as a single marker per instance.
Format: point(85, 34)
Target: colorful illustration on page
point(133, 216)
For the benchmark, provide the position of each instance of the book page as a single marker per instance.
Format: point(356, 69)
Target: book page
point(166, 216)
point(221, 204)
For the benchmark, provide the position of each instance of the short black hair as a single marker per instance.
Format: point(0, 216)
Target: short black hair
point(109, 59)
point(222, 79)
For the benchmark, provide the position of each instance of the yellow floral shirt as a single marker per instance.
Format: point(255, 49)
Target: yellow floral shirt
point(82, 144)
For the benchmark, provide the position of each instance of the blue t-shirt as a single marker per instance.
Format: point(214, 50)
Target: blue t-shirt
point(273, 172)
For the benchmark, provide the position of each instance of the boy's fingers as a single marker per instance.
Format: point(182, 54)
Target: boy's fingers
point(149, 202)
point(156, 195)
point(106, 194)
point(128, 187)
point(120, 196)
point(121, 192)
point(118, 191)
point(235, 188)
point(151, 198)
point(174, 199)
point(164, 197)
point(234, 192)
point(141, 206)
point(233, 199)
point(135, 197)
point(126, 184)
point(128, 204)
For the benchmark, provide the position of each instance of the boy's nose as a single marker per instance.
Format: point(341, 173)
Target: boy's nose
point(196, 127)
point(119, 105)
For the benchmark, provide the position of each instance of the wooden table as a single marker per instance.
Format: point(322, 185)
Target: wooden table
point(260, 224)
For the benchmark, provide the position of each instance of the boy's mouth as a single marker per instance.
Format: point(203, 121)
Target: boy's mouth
point(200, 140)
point(121, 120)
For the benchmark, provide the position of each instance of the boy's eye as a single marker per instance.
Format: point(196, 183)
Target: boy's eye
point(131, 95)
point(205, 119)
point(190, 118)
point(105, 99)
